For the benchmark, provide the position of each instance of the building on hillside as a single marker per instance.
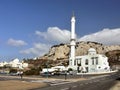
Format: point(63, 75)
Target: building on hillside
point(15, 64)
point(3, 63)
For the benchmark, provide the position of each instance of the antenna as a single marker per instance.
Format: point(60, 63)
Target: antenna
point(73, 14)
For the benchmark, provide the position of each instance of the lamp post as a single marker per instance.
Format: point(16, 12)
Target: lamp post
point(65, 71)
point(47, 69)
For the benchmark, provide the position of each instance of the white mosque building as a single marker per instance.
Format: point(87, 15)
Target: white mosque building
point(90, 63)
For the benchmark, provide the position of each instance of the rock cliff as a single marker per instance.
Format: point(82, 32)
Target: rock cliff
point(61, 51)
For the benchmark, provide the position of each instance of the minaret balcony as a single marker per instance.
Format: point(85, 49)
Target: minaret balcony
point(72, 39)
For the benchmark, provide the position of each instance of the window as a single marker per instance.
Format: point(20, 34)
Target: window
point(92, 60)
point(70, 61)
point(79, 62)
point(86, 62)
point(86, 69)
point(96, 60)
point(75, 62)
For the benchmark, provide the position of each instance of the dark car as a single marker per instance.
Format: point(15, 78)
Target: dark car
point(14, 74)
point(47, 74)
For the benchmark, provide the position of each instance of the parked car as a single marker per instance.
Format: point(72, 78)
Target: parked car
point(14, 74)
point(47, 74)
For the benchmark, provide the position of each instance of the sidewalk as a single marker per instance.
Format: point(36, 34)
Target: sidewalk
point(44, 78)
point(36, 82)
point(19, 85)
point(16, 83)
point(116, 86)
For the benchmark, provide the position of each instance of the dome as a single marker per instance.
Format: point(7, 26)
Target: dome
point(91, 51)
point(16, 60)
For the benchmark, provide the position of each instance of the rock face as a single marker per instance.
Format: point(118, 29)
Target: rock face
point(58, 52)
point(61, 52)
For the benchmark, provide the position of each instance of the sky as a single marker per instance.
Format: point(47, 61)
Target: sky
point(28, 28)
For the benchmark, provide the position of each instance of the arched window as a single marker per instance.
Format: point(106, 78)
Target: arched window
point(96, 60)
point(79, 62)
point(86, 62)
point(92, 60)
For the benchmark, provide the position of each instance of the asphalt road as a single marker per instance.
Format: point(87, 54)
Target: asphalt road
point(99, 83)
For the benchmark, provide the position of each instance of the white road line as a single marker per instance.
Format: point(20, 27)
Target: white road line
point(86, 83)
point(97, 80)
point(59, 83)
point(65, 89)
point(81, 84)
point(103, 79)
point(94, 81)
point(74, 86)
point(91, 82)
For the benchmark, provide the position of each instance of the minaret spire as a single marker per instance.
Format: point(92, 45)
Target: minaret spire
point(72, 42)
point(73, 15)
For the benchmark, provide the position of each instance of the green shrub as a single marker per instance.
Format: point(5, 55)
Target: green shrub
point(12, 70)
point(33, 71)
point(70, 69)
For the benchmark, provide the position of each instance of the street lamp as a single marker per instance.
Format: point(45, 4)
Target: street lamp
point(47, 69)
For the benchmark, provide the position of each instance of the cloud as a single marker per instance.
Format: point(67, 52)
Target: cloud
point(106, 36)
point(38, 49)
point(55, 34)
point(14, 42)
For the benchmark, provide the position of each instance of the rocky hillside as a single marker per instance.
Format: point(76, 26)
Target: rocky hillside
point(61, 52)
point(114, 57)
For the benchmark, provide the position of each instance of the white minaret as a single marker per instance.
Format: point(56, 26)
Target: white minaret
point(72, 42)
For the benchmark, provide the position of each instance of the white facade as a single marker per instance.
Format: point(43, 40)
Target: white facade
point(15, 63)
point(72, 43)
point(59, 68)
point(92, 62)
point(3, 63)
point(52, 69)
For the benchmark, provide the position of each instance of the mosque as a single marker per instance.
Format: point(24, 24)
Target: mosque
point(90, 63)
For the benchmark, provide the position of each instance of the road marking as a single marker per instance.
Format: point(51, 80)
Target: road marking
point(59, 83)
point(81, 84)
point(97, 80)
point(74, 86)
point(65, 89)
point(103, 79)
point(94, 81)
point(90, 82)
point(86, 83)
